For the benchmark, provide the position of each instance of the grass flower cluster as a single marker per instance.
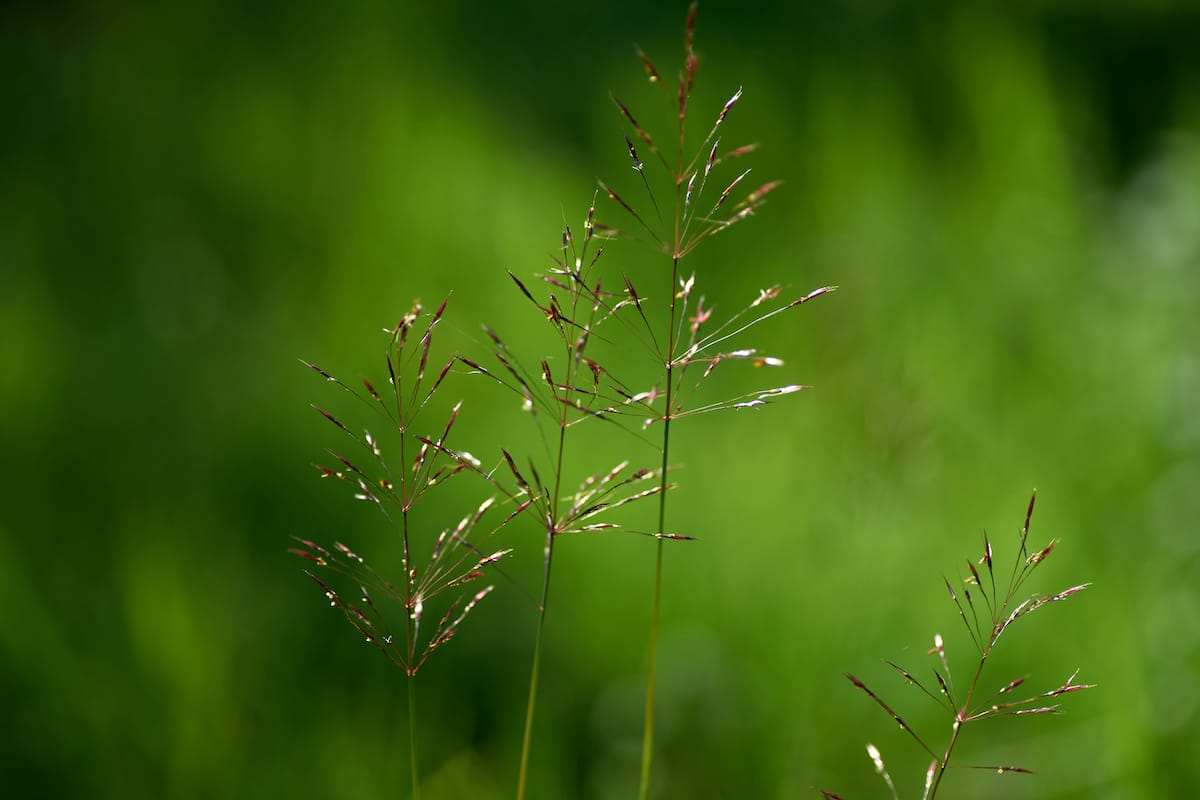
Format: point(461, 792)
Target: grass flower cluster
point(690, 186)
point(986, 614)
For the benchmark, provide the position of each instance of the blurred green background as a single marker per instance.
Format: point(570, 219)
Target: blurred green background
point(195, 195)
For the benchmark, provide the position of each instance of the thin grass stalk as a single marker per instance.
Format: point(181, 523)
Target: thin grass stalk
point(534, 672)
point(410, 634)
point(412, 735)
point(944, 763)
point(551, 530)
point(656, 602)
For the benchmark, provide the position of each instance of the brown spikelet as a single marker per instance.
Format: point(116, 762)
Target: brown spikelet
point(737, 152)
point(331, 418)
point(896, 717)
point(728, 105)
point(651, 73)
point(725, 194)
point(525, 291)
point(620, 201)
point(319, 371)
point(690, 61)
point(633, 155)
point(756, 198)
point(638, 129)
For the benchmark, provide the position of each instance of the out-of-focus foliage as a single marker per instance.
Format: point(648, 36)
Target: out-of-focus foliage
point(195, 195)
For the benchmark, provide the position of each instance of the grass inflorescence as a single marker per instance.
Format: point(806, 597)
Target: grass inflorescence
point(987, 607)
point(451, 565)
point(631, 351)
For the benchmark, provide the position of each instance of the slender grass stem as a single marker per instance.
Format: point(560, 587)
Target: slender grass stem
point(551, 524)
point(648, 730)
point(960, 721)
point(534, 672)
point(409, 622)
point(412, 735)
point(656, 603)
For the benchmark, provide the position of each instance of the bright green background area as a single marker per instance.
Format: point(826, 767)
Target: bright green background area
point(196, 195)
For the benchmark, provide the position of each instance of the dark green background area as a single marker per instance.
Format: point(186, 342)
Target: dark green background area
point(195, 195)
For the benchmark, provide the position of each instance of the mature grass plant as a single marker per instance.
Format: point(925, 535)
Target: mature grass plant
point(634, 352)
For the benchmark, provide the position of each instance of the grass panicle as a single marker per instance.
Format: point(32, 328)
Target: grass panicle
point(692, 345)
point(634, 354)
point(567, 387)
point(446, 573)
point(586, 302)
point(987, 607)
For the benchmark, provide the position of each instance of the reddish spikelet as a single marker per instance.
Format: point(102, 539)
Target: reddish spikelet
point(728, 105)
point(651, 73)
point(614, 196)
point(637, 162)
point(637, 128)
point(525, 291)
point(1008, 687)
point(427, 339)
point(473, 365)
point(974, 574)
point(348, 463)
point(756, 198)
point(725, 194)
point(331, 418)
point(896, 717)
point(690, 61)
point(319, 371)
point(738, 152)
point(1039, 556)
point(512, 466)
point(815, 293)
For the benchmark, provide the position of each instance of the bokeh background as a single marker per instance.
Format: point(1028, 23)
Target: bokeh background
point(194, 195)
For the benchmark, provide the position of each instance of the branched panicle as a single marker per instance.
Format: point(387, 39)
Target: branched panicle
point(449, 568)
point(699, 344)
point(1002, 607)
point(684, 193)
point(571, 385)
point(455, 558)
point(692, 195)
